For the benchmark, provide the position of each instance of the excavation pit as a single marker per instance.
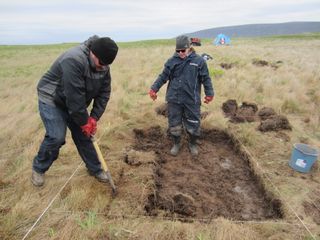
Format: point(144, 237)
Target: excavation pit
point(220, 182)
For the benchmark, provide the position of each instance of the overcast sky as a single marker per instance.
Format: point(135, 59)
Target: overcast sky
point(56, 21)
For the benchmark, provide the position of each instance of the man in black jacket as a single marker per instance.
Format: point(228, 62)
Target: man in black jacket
point(78, 77)
point(186, 72)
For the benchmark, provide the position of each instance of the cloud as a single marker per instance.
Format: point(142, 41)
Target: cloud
point(124, 20)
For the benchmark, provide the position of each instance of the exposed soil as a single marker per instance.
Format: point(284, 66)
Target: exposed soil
point(219, 182)
point(266, 112)
point(262, 63)
point(227, 65)
point(245, 113)
point(275, 123)
point(248, 112)
point(259, 62)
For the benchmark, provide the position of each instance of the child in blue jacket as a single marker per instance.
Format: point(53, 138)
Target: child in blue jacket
point(186, 72)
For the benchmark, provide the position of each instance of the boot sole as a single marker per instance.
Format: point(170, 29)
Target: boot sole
point(193, 153)
point(36, 184)
point(172, 154)
point(102, 180)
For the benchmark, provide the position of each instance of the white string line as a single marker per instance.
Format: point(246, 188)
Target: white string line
point(133, 216)
point(46, 209)
point(280, 194)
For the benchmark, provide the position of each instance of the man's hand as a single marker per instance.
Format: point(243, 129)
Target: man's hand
point(93, 122)
point(208, 99)
point(153, 94)
point(90, 128)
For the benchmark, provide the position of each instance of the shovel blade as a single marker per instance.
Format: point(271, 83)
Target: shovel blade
point(114, 190)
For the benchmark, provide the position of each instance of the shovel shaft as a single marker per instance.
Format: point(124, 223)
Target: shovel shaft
point(103, 163)
point(100, 157)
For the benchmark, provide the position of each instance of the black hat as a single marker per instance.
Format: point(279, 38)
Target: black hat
point(105, 49)
point(182, 42)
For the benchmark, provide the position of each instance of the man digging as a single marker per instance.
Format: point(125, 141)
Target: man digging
point(78, 77)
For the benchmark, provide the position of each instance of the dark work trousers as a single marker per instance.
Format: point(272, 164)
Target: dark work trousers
point(56, 121)
point(184, 115)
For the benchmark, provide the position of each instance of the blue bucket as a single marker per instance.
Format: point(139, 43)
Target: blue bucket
point(303, 157)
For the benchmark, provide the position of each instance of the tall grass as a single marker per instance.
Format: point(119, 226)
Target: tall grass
point(292, 89)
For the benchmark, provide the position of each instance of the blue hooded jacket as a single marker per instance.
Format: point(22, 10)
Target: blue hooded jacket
point(185, 78)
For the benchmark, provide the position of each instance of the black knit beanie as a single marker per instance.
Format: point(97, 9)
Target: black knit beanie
point(105, 49)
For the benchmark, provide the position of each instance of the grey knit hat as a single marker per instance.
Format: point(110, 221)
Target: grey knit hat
point(182, 42)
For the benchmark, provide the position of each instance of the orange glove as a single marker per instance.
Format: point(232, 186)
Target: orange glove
point(208, 99)
point(90, 128)
point(153, 94)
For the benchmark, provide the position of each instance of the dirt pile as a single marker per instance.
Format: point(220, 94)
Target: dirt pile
point(245, 113)
point(263, 63)
point(227, 65)
point(248, 112)
point(219, 182)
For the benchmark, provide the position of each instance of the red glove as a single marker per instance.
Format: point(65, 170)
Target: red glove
point(90, 128)
point(93, 122)
point(153, 94)
point(208, 99)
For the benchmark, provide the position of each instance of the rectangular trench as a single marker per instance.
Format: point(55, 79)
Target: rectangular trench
point(218, 183)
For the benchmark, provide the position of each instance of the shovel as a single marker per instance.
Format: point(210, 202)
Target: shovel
point(103, 164)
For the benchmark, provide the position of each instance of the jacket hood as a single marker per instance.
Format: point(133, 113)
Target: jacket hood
point(89, 41)
point(85, 46)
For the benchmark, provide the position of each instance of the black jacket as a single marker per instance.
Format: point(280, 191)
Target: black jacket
point(72, 83)
point(185, 79)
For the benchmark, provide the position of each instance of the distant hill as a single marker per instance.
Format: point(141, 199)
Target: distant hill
point(258, 30)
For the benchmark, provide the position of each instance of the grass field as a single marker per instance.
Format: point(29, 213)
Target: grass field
point(82, 208)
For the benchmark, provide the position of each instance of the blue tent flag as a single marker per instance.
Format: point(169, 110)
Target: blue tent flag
point(222, 39)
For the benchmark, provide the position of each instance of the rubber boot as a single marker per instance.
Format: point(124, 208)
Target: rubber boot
point(102, 177)
point(193, 146)
point(37, 179)
point(176, 146)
